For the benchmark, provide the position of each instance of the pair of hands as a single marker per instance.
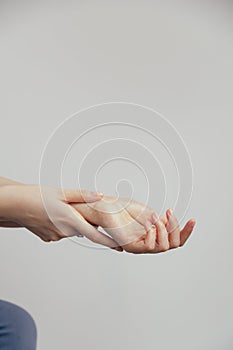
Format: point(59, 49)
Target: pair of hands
point(57, 214)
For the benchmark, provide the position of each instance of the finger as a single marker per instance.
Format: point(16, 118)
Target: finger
point(99, 237)
point(82, 196)
point(160, 217)
point(173, 229)
point(162, 236)
point(138, 211)
point(118, 249)
point(91, 232)
point(164, 219)
point(150, 236)
point(186, 232)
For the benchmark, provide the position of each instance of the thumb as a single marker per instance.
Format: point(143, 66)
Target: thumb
point(81, 196)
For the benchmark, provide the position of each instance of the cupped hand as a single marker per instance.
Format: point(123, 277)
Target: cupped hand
point(162, 234)
point(134, 226)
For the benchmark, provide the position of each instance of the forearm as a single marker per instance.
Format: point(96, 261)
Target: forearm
point(4, 181)
point(5, 203)
point(6, 207)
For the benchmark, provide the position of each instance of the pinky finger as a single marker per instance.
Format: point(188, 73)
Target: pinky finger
point(186, 232)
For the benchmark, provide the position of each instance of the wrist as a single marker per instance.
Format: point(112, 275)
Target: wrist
point(8, 202)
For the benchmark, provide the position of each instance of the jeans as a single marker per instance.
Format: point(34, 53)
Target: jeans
point(17, 328)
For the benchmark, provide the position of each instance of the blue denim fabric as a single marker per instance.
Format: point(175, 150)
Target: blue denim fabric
point(17, 328)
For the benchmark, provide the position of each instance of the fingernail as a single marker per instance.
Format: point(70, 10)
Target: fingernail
point(97, 194)
point(170, 212)
point(100, 194)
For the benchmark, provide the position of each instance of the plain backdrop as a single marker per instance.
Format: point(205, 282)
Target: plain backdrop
point(57, 57)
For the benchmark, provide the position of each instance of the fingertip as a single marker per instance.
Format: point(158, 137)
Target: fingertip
point(170, 212)
point(118, 249)
point(192, 222)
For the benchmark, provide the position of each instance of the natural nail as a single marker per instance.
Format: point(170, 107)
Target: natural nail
point(170, 212)
point(97, 194)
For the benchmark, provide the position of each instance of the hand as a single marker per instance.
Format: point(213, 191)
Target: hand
point(165, 233)
point(22, 206)
point(135, 227)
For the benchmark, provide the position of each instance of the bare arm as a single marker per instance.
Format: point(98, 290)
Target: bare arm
point(23, 206)
point(4, 181)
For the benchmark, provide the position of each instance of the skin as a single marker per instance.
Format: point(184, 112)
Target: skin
point(22, 206)
point(129, 225)
point(135, 227)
